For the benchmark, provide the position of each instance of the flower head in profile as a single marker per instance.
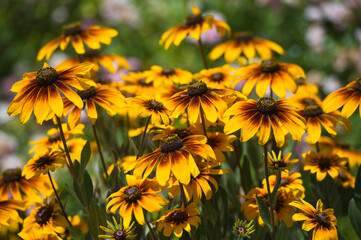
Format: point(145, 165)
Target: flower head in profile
point(279, 163)
point(290, 182)
point(242, 229)
point(179, 219)
point(45, 219)
point(133, 198)
point(175, 155)
point(161, 76)
point(12, 181)
point(218, 77)
point(198, 96)
point(108, 98)
point(194, 26)
point(77, 35)
point(306, 88)
point(348, 97)
point(98, 59)
point(323, 164)
point(265, 115)
point(246, 43)
point(39, 91)
point(201, 184)
point(44, 161)
point(280, 76)
point(323, 222)
point(8, 209)
point(118, 231)
point(136, 84)
point(154, 107)
point(220, 143)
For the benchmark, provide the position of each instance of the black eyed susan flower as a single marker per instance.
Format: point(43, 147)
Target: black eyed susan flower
point(45, 219)
point(160, 76)
point(323, 222)
point(194, 26)
point(303, 99)
point(98, 59)
point(246, 43)
point(39, 91)
point(201, 184)
point(136, 196)
point(197, 96)
point(305, 87)
point(315, 118)
point(220, 143)
point(42, 162)
point(218, 77)
point(242, 229)
point(179, 219)
point(348, 97)
point(277, 163)
point(136, 85)
point(174, 155)
point(150, 107)
point(77, 223)
point(38, 236)
point(280, 76)
point(117, 231)
point(289, 182)
point(323, 164)
point(105, 96)
point(31, 190)
point(76, 34)
point(251, 115)
point(53, 138)
point(8, 210)
point(346, 179)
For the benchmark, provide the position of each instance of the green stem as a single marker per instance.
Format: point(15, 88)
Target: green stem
point(204, 59)
point(317, 147)
point(149, 227)
point(203, 122)
point(70, 163)
point(58, 198)
point(140, 148)
point(100, 151)
point(269, 191)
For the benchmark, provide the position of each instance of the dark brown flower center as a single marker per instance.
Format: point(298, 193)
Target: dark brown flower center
point(43, 215)
point(142, 82)
point(241, 230)
point(155, 105)
point(168, 72)
point(182, 132)
point(342, 144)
point(193, 20)
point(88, 93)
point(42, 162)
point(72, 29)
point(213, 141)
point(197, 88)
point(89, 54)
point(284, 181)
point(217, 77)
point(46, 76)
point(279, 164)
point(243, 37)
point(12, 175)
point(324, 163)
point(342, 176)
point(301, 81)
point(177, 217)
point(170, 143)
point(267, 105)
point(306, 101)
point(54, 138)
point(132, 194)
point(269, 66)
point(323, 219)
point(358, 84)
point(312, 110)
point(120, 235)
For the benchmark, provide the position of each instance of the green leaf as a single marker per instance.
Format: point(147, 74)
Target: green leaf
point(282, 232)
point(246, 174)
point(264, 212)
point(75, 233)
point(355, 216)
point(358, 187)
point(224, 197)
point(88, 187)
point(96, 219)
point(77, 169)
point(132, 144)
point(85, 157)
point(275, 189)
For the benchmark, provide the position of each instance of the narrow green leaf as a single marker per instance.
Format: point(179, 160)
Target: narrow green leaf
point(355, 216)
point(85, 157)
point(282, 232)
point(275, 189)
point(96, 219)
point(246, 174)
point(78, 194)
point(132, 144)
point(264, 212)
point(75, 233)
point(77, 169)
point(88, 187)
point(358, 187)
point(224, 197)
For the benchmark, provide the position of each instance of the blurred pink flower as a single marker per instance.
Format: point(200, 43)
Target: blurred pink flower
point(315, 37)
point(120, 11)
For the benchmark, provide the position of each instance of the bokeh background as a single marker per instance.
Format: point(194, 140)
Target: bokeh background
point(323, 37)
